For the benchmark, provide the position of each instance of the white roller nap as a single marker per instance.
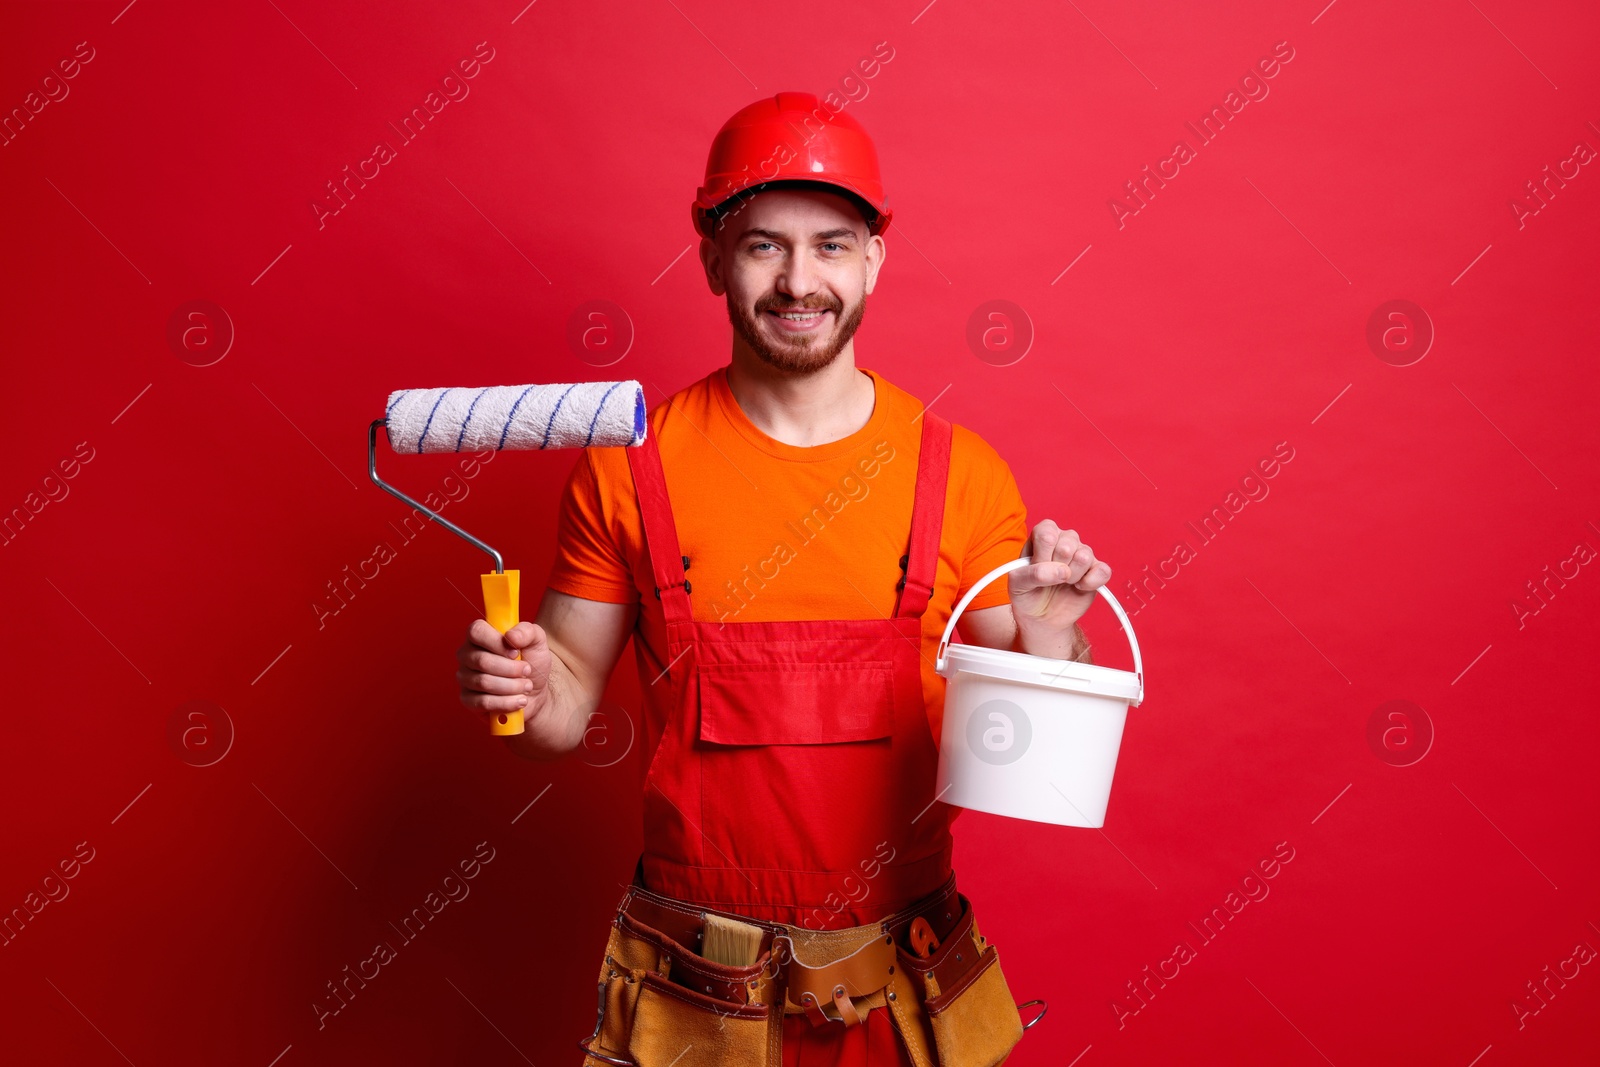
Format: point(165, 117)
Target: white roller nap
point(496, 417)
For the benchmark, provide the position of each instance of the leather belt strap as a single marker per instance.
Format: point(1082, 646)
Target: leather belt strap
point(816, 969)
point(940, 908)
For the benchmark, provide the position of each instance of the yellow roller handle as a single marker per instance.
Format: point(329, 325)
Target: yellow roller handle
point(500, 596)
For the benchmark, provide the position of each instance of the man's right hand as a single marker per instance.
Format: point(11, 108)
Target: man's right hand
point(492, 681)
point(567, 657)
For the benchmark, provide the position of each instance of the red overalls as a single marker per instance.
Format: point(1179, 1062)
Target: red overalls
point(794, 777)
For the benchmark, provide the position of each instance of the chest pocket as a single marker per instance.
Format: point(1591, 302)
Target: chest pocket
point(797, 764)
point(795, 704)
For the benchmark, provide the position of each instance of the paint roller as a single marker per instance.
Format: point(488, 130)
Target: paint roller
point(575, 415)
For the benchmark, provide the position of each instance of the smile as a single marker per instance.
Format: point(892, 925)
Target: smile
point(800, 321)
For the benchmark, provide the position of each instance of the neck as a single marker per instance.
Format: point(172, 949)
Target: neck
point(802, 409)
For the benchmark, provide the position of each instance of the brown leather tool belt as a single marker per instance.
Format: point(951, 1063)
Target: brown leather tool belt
point(927, 963)
point(814, 970)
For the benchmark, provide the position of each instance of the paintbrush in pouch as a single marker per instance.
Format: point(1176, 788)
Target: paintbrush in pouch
point(729, 941)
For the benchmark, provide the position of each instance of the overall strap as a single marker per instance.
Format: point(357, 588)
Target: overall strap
point(660, 532)
point(927, 517)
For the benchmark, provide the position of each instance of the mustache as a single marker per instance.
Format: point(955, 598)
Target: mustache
point(771, 303)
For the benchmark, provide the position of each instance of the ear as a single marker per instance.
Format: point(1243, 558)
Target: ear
point(711, 261)
point(875, 252)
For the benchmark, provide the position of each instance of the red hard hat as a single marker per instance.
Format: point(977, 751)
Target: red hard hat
point(792, 137)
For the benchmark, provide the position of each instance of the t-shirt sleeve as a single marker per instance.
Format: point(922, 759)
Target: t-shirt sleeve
point(589, 563)
point(999, 526)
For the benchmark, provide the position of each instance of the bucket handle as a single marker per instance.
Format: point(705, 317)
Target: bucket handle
point(1023, 561)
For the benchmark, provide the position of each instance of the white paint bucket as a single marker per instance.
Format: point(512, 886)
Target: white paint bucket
point(1031, 737)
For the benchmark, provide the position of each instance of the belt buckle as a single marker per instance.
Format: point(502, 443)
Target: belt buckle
point(862, 973)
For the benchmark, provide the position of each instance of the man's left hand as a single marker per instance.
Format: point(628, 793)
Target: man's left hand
point(1051, 594)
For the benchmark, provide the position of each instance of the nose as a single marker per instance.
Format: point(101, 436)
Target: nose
point(798, 279)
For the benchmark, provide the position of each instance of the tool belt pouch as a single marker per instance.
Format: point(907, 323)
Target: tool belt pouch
point(659, 999)
point(954, 1008)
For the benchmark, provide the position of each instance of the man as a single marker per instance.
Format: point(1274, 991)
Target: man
point(786, 548)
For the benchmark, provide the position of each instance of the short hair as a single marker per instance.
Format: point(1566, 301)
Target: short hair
point(869, 214)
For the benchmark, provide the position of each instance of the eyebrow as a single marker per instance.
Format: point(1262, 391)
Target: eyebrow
point(822, 235)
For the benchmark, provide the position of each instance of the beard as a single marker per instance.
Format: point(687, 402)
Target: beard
point(802, 353)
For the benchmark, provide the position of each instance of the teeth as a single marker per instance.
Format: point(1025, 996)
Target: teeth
point(798, 316)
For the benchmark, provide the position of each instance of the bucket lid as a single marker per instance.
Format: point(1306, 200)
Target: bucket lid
point(1086, 678)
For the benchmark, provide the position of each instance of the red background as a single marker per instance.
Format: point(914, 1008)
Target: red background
point(1229, 314)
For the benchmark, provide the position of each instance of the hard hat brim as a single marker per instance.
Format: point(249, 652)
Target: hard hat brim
point(707, 218)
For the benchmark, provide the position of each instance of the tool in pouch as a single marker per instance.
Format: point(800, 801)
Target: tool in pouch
point(503, 418)
point(923, 942)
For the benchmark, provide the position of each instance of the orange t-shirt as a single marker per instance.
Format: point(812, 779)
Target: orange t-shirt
point(778, 532)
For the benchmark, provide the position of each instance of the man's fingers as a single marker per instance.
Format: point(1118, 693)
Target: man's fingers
point(1067, 544)
point(1042, 541)
point(494, 683)
point(1078, 561)
point(1097, 576)
point(488, 703)
point(494, 676)
point(525, 635)
point(481, 635)
point(482, 661)
point(1080, 570)
point(1037, 575)
point(487, 665)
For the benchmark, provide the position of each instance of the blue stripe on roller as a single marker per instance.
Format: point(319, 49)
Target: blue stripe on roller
point(463, 434)
point(437, 401)
point(507, 427)
point(598, 409)
point(401, 395)
point(551, 421)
